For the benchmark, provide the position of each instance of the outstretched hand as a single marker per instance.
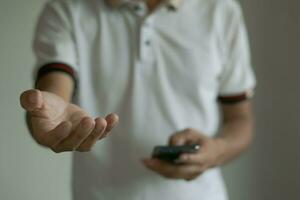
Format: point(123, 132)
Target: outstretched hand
point(64, 126)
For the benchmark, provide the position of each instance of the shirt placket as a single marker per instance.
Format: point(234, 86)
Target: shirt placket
point(147, 39)
point(146, 32)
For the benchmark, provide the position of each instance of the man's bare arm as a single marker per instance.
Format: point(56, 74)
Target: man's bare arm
point(58, 83)
point(237, 130)
point(57, 123)
point(235, 137)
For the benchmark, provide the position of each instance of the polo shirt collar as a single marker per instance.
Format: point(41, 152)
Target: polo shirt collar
point(172, 4)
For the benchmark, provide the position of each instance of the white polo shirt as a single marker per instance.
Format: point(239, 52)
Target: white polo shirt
point(161, 73)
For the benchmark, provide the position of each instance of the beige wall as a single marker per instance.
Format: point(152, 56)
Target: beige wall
point(270, 170)
point(27, 171)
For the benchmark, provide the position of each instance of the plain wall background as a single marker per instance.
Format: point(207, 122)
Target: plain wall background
point(27, 171)
point(270, 170)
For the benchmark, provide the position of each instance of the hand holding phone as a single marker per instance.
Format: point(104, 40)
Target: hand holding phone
point(172, 153)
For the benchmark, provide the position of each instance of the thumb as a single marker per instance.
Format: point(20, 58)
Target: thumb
point(178, 139)
point(31, 100)
point(187, 136)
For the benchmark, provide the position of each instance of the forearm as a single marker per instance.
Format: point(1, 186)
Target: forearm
point(58, 83)
point(236, 134)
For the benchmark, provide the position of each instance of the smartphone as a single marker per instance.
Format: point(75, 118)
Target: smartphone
point(172, 153)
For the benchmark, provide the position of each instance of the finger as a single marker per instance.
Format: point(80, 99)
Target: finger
point(31, 100)
point(57, 135)
point(112, 120)
point(177, 139)
point(95, 135)
point(191, 159)
point(82, 131)
point(160, 167)
point(170, 170)
point(187, 136)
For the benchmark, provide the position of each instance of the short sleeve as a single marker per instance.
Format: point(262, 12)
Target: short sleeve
point(54, 37)
point(237, 76)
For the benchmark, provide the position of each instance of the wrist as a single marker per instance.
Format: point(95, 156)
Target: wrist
point(57, 83)
point(220, 146)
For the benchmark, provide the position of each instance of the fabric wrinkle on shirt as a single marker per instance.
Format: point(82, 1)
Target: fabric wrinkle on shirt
point(161, 73)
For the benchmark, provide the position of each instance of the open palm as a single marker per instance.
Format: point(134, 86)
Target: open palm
point(63, 126)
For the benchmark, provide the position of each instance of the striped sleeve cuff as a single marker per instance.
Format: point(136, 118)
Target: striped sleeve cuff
point(232, 99)
point(57, 67)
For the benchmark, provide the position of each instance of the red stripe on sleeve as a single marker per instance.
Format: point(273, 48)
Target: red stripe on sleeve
point(234, 98)
point(57, 67)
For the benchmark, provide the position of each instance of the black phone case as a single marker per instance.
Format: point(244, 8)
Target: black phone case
point(171, 153)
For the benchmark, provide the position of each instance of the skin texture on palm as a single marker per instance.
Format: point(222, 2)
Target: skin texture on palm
point(63, 126)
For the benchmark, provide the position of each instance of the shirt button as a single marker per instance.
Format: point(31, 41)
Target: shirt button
point(147, 42)
point(137, 8)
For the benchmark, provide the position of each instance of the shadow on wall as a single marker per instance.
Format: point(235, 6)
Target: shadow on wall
point(272, 166)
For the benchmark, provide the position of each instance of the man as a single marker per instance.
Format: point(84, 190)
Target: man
point(163, 67)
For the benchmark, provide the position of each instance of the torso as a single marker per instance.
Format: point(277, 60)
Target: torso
point(160, 74)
